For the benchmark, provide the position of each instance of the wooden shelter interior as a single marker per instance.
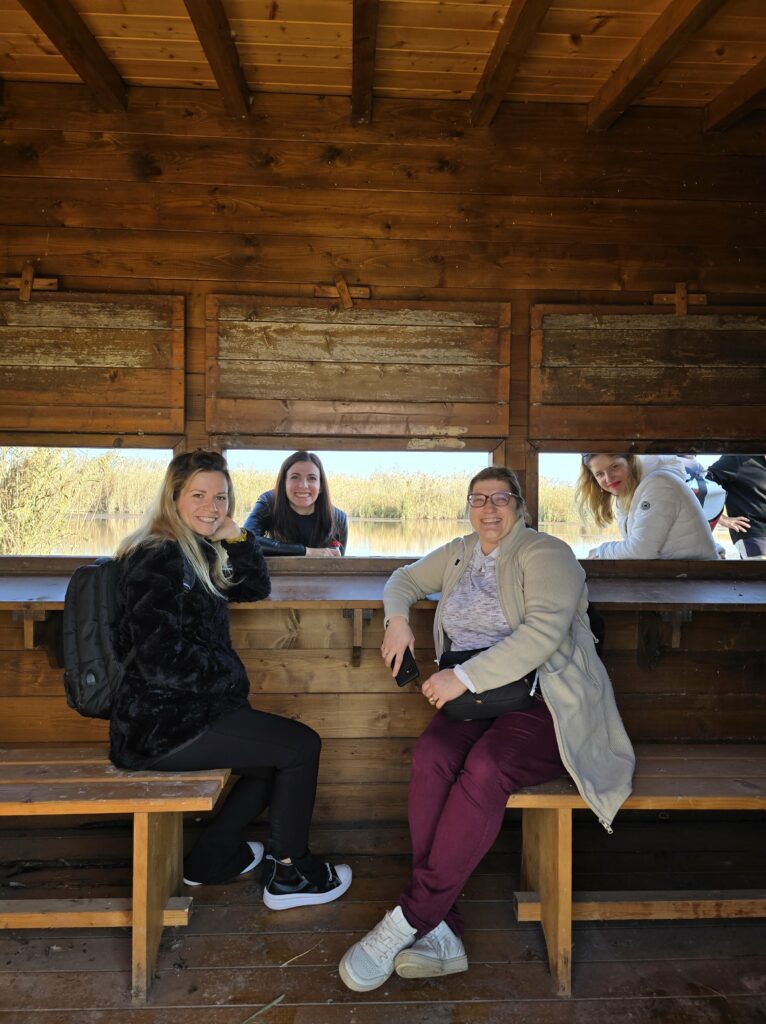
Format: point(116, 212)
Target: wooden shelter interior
point(413, 225)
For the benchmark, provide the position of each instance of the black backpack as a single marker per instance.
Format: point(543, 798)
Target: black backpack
point(93, 670)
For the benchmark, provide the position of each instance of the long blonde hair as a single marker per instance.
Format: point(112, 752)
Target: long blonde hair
point(597, 503)
point(162, 522)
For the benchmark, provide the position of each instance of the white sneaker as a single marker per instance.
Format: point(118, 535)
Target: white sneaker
point(370, 962)
point(439, 952)
point(257, 851)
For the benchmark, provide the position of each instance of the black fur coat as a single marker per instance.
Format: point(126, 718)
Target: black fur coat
point(185, 672)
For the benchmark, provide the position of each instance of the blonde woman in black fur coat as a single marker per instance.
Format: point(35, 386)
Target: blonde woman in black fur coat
point(183, 705)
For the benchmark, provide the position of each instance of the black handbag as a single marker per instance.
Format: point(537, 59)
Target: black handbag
point(513, 696)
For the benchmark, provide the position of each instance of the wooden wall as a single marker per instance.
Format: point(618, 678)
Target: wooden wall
point(703, 686)
point(174, 198)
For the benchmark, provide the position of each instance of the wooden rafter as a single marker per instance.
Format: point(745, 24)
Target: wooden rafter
point(77, 45)
point(214, 33)
point(363, 59)
point(520, 25)
point(671, 30)
point(737, 100)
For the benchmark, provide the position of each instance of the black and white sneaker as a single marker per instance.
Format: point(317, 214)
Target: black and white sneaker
point(286, 886)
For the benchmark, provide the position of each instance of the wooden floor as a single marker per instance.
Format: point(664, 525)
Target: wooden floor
point(236, 957)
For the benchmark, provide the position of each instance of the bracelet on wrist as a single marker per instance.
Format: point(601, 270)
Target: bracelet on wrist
point(238, 540)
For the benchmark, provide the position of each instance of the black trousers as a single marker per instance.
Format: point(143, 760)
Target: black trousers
point(277, 760)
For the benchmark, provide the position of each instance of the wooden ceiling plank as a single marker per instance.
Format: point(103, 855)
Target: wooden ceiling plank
point(672, 29)
point(365, 31)
point(519, 27)
point(737, 100)
point(214, 33)
point(77, 45)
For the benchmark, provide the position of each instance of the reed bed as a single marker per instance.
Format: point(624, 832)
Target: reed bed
point(41, 489)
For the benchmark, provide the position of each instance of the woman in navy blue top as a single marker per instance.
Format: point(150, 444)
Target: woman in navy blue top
point(297, 516)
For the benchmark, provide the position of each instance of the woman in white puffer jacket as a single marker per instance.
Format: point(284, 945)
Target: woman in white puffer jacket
point(657, 513)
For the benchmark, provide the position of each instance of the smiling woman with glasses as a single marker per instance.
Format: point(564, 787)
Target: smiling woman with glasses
point(512, 610)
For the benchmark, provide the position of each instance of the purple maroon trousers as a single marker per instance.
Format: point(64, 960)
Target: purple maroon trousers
point(462, 776)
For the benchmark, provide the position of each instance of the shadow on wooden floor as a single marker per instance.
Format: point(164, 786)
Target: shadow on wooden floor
point(236, 957)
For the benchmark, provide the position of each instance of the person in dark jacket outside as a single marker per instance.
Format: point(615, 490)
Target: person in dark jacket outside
point(183, 704)
point(743, 477)
point(297, 516)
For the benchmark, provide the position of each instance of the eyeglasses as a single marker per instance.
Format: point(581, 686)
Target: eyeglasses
point(500, 499)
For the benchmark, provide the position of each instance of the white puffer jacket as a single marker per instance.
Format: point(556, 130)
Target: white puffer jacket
point(665, 519)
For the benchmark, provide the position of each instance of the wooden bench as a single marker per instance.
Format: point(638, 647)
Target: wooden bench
point(669, 777)
point(45, 780)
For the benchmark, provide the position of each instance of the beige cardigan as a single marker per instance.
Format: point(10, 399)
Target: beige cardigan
point(542, 592)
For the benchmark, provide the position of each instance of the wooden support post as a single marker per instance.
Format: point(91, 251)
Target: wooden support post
point(28, 618)
point(649, 649)
point(546, 866)
point(358, 618)
point(676, 620)
point(27, 282)
point(157, 874)
point(345, 295)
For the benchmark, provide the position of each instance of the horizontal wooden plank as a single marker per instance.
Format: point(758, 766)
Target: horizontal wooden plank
point(741, 423)
point(685, 386)
point(291, 671)
point(85, 913)
point(358, 343)
point(245, 310)
point(115, 312)
point(108, 798)
point(505, 169)
point(737, 342)
point(333, 715)
point(655, 906)
point(712, 793)
point(354, 381)
point(200, 113)
point(90, 419)
point(316, 629)
point(377, 214)
point(98, 775)
point(642, 321)
point(117, 386)
point(399, 264)
point(85, 346)
point(376, 759)
point(393, 419)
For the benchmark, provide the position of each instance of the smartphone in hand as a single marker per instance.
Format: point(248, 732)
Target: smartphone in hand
point(408, 670)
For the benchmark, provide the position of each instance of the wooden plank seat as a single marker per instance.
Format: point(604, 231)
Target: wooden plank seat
point(50, 780)
point(669, 777)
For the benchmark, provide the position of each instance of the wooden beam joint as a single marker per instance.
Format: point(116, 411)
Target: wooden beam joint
point(681, 298)
point(44, 284)
point(340, 289)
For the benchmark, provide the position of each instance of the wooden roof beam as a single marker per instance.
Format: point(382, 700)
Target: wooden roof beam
point(365, 32)
point(214, 33)
point(520, 25)
point(736, 100)
point(77, 45)
point(669, 33)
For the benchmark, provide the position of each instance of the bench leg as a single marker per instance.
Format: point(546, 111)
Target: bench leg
point(157, 873)
point(546, 866)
